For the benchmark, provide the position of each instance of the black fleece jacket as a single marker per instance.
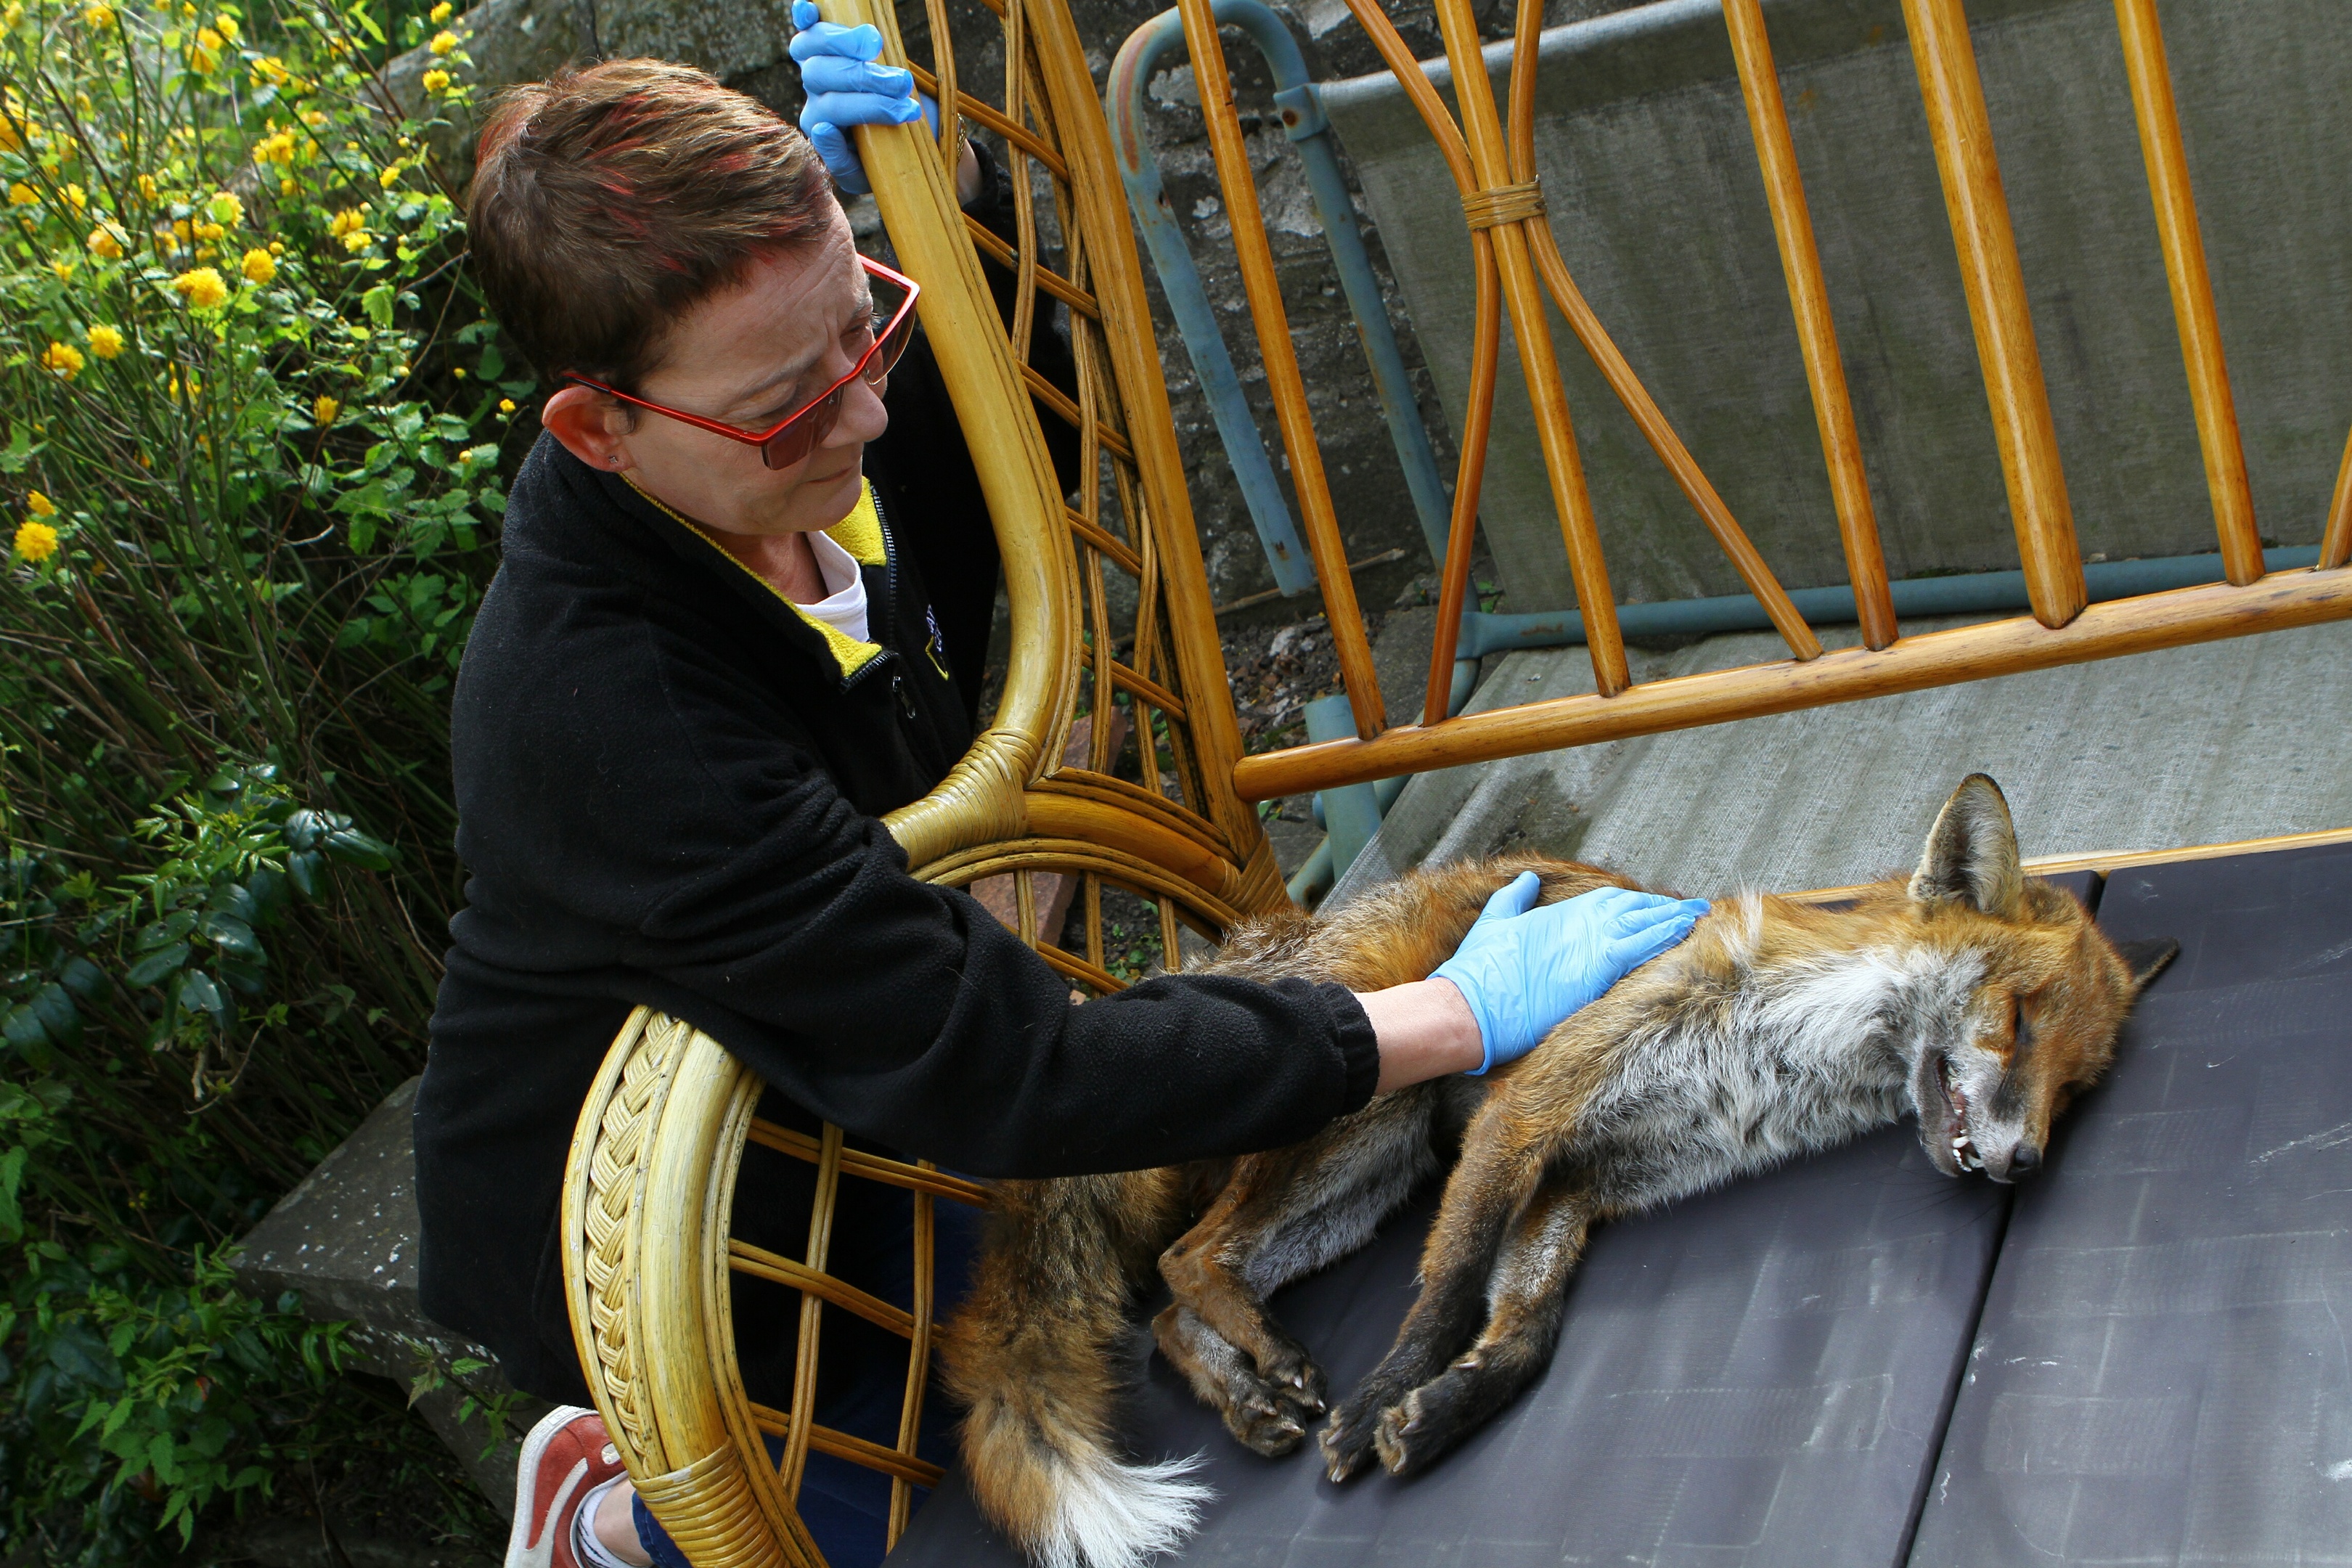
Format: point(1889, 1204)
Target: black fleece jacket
point(668, 783)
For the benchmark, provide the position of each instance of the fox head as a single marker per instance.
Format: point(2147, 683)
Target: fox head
point(2049, 992)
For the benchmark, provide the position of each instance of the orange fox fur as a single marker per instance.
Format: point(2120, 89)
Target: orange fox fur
point(1968, 996)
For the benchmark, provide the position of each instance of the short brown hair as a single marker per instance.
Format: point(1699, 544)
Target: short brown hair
point(608, 201)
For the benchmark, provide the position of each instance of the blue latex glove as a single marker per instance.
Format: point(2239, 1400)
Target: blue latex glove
point(846, 88)
point(1523, 974)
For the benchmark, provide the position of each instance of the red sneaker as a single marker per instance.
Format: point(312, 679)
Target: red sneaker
point(566, 1455)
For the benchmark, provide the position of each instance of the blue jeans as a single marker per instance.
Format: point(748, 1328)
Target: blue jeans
point(846, 1506)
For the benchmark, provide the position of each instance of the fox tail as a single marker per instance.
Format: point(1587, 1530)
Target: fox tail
point(1034, 1356)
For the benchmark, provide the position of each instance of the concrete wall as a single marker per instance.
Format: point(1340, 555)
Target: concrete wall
point(1653, 193)
point(743, 45)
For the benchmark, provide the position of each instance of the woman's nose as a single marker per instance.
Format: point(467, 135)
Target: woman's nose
point(862, 415)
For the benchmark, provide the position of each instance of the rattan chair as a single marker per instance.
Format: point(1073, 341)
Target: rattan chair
point(1111, 616)
point(1111, 622)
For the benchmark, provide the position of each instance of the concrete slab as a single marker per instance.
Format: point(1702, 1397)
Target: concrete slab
point(2223, 741)
point(346, 1241)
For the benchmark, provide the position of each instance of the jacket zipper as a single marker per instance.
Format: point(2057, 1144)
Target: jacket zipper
point(890, 608)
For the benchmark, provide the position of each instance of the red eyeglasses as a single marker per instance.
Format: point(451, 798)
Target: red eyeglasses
point(792, 438)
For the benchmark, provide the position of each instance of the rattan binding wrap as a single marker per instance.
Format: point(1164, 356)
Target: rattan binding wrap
point(1133, 803)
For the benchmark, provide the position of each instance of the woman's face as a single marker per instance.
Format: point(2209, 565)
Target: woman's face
point(747, 356)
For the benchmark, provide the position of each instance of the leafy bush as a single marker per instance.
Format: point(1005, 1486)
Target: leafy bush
point(253, 443)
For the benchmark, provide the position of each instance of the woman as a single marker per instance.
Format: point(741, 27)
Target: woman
point(708, 664)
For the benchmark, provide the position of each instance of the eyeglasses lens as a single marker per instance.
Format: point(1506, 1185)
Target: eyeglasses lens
point(796, 440)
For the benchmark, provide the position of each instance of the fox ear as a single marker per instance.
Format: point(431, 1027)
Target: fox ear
point(1971, 853)
point(2146, 959)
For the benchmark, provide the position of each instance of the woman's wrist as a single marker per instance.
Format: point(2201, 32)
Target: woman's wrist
point(1424, 1030)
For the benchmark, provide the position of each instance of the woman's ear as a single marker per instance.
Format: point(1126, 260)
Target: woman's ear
point(592, 426)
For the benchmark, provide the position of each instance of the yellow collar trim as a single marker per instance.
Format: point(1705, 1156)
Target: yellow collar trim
point(860, 533)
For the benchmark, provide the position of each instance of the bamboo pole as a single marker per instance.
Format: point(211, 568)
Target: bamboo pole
point(1962, 132)
point(1283, 380)
point(1801, 262)
point(1469, 480)
point(2336, 544)
point(1213, 733)
point(1618, 371)
point(2150, 621)
point(1482, 130)
point(2192, 290)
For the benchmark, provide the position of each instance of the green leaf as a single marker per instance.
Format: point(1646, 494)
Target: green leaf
point(20, 450)
point(82, 978)
point(157, 964)
point(359, 849)
point(198, 993)
point(232, 936)
point(57, 1013)
point(303, 869)
point(11, 1179)
point(23, 1029)
point(377, 303)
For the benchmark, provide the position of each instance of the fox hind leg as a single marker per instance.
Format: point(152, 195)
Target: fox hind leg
point(1264, 1417)
point(1280, 1216)
point(1527, 1299)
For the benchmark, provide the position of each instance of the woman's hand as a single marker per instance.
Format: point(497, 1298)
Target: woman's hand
point(846, 88)
point(1524, 971)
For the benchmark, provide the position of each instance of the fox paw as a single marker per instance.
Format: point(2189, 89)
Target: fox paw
point(1263, 1417)
point(1398, 1436)
point(1347, 1438)
point(1297, 1380)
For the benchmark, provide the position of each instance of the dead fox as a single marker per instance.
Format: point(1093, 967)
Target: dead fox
point(1971, 997)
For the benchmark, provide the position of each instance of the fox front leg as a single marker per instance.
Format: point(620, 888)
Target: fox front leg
point(1483, 1201)
point(1526, 1299)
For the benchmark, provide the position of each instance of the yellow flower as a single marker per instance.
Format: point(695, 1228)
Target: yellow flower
point(324, 410)
point(258, 267)
point(202, 288)
point(439, 13)
point(347, 221)
point(227, 209)
point(21, 195)
point(62, 360)
point(104, 341)
point(64, 270)
point(10, 17)
point(98, 17)
point(203, 60)
point(36, 541)
point(443, 42)
point(276, 248)
point(276, 149)
point(315, 118)
point(285, 186)
point(147, 187)
point(359, 239)
point(77, 198)
point(506, 405)
point(106, 242)
point(435, 80)
point(227, 26)
point(390, 177)
point(203, 230)
point(41, 505)
point(271, 69)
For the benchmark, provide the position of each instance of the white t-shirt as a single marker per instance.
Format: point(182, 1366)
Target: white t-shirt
point(843, 606)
